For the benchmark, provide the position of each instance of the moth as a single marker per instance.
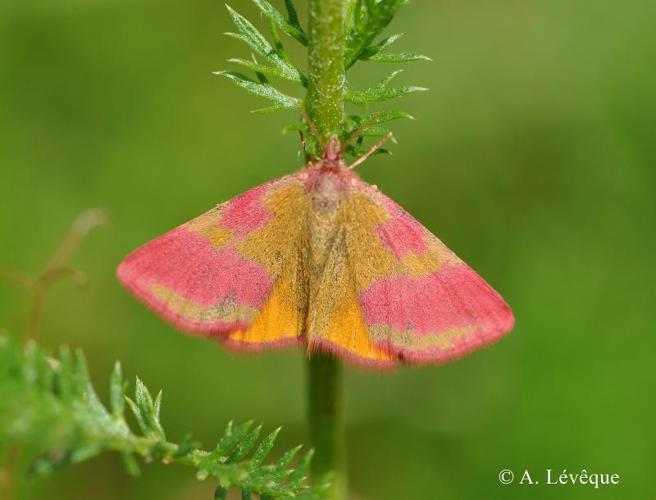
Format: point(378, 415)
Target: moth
point(322, 259)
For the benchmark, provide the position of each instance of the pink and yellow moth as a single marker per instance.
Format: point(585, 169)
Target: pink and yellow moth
point(322, 259)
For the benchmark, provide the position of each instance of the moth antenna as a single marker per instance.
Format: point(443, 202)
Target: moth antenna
point(311, 124)
point(371, 151)
point(303, 145)
point(332, 150)
point(356, 133)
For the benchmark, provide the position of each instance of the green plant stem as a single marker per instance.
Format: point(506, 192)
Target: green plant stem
point(327, 423)
point(327, 74)
point(325, 106)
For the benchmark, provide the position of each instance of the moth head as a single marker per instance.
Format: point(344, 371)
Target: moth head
point(332, 150)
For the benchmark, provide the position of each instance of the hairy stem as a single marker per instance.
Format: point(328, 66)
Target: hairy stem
point(327, 423)
point(327, 74)
point(325, 106)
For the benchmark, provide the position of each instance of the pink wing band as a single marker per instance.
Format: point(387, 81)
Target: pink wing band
point(245, 213)
point(402, 234)
point(196, 285)
point(437, 317)
point(437, 309)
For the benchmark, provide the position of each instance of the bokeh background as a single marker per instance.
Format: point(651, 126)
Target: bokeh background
point(532, 157)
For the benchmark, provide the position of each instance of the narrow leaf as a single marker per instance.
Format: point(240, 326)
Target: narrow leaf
point(116, 394)
point(287, 458)
point(381, 92)
point(265, 447)
point(292, 14)
point(136, 412)
point(269, 70)
point(379, 15)
point(261, 77)
point(81, 382)
point(249, 33)
point(387, 80)
point(295, 127)
point(269, 110)
point(401, 57)
point(262, 90)
point(245, 445)
point(130, 464)
point(141, 395)
point(232, 435)
point(372, 50)
point(63, 377)
point(158, 404)
point(256, 41)
point(382, 117)
point(293, 29)
point(389, 41)
point(84, 453)
point(303, 467)
point(375, 132)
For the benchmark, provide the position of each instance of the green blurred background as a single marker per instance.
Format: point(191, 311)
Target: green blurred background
point(532, 157)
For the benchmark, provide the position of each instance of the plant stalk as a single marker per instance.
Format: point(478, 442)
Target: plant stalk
point(327, 73)
point(326, 417)
point(325, 107)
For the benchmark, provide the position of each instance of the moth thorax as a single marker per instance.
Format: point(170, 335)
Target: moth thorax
point(324, 214)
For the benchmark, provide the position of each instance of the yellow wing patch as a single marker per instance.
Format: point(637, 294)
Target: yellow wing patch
point(335, 320)
point(347, 332)
point(280, 248)
point(280, 320)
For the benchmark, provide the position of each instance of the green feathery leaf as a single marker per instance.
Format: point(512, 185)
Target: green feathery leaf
point(292, 15)
point(262, 89)
point(377, 118)
point(371, 18)
point(265, 447)
point(381, 92)
point(389, 41)
point(258, 43)
point(375, 132)
point(401, 57)
point(116, 391)
point(266, 70)
point(364, 22)
point(268, 110)
point(295, 127)
point(51, 405)
point(292, 27)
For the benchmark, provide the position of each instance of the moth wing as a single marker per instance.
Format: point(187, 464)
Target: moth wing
point(335, 322)
point(234, 272)
point(418, 300)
